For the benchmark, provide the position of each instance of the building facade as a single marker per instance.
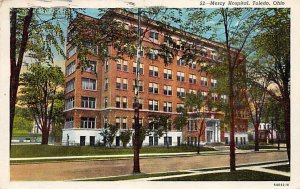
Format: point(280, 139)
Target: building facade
point(103, 93)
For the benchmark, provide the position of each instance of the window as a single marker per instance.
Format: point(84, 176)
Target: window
point(118, 83)
point(71, 51)
point(167, 106)
point(153, 54)
point(105, 122)
point(153, 71)
point(91, 66)
point(118, 103)
point(88, 84)
point(192, 65)
point(169, 139)
point(69, 103)
point(153, 105)
point(69, 122)
point(118, 122)
point(153, 35)
point(70, 68)
point(180, 76)
point(213, 83)
point(204, 94)
point(70, 85)
point(119, 64)
point(192, 78)
point(141, 68)
point(141, 84)
point(214, 96)
point(88, 102)
point(168, 90)
point(224, 98)
point(167, 74)
point(124, 123)
point(180, 92)
point(180, 61)
point(87, 122)
point(124, 102)
point(203, 81)
point(106, 84)
point(125, 84)
point(153, 88)
point(125, 65)
point(140, 122)
point(192, 125)
point(140, 103)
point(192, 91)
point(105, 102)
point(106, 65)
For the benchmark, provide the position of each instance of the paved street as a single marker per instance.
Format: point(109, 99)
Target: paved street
point(101, 168)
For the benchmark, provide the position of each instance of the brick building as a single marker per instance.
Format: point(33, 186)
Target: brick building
point(104, 92)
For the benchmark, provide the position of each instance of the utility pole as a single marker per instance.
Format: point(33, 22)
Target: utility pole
point(136, 145)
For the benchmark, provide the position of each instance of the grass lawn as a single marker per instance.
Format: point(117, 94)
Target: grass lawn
point(23, 151)
point(251, 147)
point(285, 168)
point(130, 177)
point(240, 175)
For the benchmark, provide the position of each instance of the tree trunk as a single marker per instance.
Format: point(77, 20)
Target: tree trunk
point(136, 144)
point(198, 150)
point(278, 140)
point(256, 147)
point(232, 121)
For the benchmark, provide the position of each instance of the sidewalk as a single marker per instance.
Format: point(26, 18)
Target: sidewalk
point(109, 157)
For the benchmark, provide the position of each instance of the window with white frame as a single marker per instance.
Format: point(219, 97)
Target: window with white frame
point(141, 68)
point(213, 83)
point(140, 103)
point(140, 86)
point(88, 102)
point(70, 85)
point(167, 73)
point(167, 106)
point(192, 125)
point(203, 81)
point(168, 90)
point(214, 96)
point(192, 65)
point(153, 36)
point(125, 65)
point(118, 122)
point(192, 78)
point(153, 71)
point(118, 102)
point(88, 122)
point(88, 84)
point(106, 84)
point(119, 64)
point(70, 68)
point(153, 54)
point(124, 123)
point(153, 88)
point(204, 94)
point(118, 83)
point(153, 105)
point(180, 76)
point(180, 92)
point(180, 61)
point(124, 102)
point(179, 107)
point(69, 103)
point(125, 84)
point(105, 102)
point(69, 122)
point(71, 51)
point(91, 66)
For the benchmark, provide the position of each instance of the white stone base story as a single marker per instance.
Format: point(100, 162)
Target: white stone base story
point(86, 137)
point(241, 138)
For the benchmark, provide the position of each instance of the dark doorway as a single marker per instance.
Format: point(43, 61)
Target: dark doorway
point(117, 141)
point(178, 141)
point(82, 140)
point(92, 140)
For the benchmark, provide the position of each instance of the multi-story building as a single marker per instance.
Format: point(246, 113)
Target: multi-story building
point(104, 93)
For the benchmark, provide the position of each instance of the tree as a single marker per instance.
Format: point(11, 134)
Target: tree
point(39, 92)
point(22, 123)
point(58, 119)
point(160, 125)
point(33, 33)
point(109, 134)
point(197, 104)
point(255, 97)
point(273, 45)
point(125, 137)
